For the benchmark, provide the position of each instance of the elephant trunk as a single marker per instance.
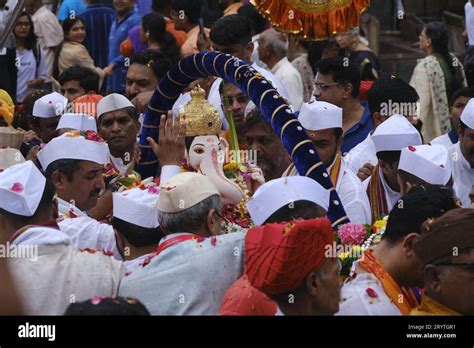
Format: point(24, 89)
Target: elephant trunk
point(230, 191)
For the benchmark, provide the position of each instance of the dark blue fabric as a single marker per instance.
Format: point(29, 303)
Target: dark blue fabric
point(261, 92)
point(453, 136)
point(97, 22)
point(358, 132)
point(118, 33)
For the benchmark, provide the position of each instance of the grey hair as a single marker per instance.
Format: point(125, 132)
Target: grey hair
point(278, 42)
point(190, 219)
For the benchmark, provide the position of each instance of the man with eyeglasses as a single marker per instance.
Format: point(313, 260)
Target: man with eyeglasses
point(446, 249)
point(337, 82)
point(235, 101)
point(323, 124)
point(388, 96)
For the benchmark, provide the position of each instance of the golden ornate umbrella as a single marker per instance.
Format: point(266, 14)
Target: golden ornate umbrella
point(312, 19)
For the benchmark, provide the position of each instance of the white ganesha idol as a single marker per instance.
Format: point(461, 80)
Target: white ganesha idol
point(207, 153)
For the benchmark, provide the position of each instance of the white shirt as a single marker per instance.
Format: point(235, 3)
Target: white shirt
point(353, 196)
point(85, 232)
point(132, 265)
point(291, 79)
point(40, 235)
point(356, 301)
point(28, 70)
point(362, 153)
point(469, 16)
point(443, 140)
point(351, 192)
point(188, 278)
point(49, 33)
point(463, 175)
point(392, 196)
point(117, 162)
point(58, 274)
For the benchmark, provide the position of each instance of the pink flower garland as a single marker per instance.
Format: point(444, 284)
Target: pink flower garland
point(352, 234)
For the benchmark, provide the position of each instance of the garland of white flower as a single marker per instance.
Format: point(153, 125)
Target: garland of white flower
point(380, 233)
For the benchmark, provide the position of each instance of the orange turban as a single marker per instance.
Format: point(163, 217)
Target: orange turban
point(278, 257)
point(243, 299)
point(87, 104)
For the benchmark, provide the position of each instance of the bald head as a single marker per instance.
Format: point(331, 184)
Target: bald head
point(275, 42)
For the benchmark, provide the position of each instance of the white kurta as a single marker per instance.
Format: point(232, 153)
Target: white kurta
point(392, 196)
point(356, 301)
point(59, 274)
point(85, 232)
point(351, 192)
point(132, 265)
point(291, 79)
point(117, 162)
point(463, 175)
point(353, 196)
point(362, 153)
point(188, 278)
point(443, 140)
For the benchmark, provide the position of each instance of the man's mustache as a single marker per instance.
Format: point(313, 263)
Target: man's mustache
point(95, 193)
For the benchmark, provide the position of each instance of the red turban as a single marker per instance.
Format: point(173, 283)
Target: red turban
point(87, 104)
point(243, 299)
point(364, 88)
point(278, 257)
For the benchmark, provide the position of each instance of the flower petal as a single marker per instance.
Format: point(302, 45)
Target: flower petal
point(371, 293)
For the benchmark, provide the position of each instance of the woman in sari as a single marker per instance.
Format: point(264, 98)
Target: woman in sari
point(435, 78)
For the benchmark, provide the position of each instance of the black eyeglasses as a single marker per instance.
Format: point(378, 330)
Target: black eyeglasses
point(324, 87)
point(23, 24)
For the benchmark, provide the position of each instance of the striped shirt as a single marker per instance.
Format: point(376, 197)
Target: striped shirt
point(97, 22)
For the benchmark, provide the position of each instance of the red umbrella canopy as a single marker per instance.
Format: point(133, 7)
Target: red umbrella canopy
point(312, 19)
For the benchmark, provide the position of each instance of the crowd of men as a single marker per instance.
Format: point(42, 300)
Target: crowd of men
point(85, 234)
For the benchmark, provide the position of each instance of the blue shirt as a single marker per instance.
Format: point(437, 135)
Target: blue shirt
point(97, 22)
point(70, 8)
point(118, 33)
point(143, 7)
point(358, 132)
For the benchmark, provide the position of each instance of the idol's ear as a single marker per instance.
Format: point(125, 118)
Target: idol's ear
point(224, 142)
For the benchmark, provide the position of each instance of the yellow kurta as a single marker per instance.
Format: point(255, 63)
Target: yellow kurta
point(429, 306)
